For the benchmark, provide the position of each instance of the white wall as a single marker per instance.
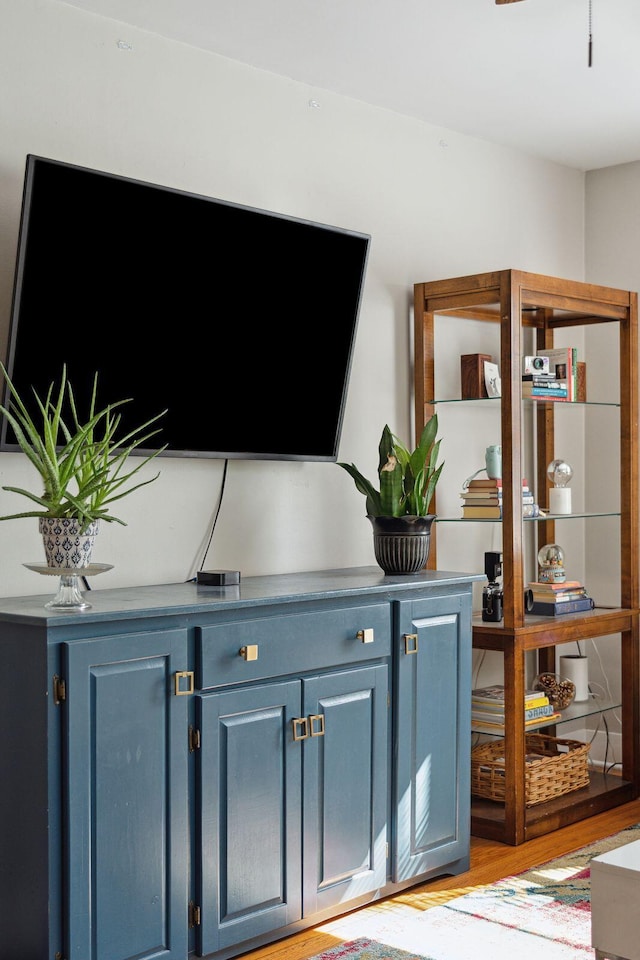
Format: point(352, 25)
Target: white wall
point(436, 203)
point(612, 257)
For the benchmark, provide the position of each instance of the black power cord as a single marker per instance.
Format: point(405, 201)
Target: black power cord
point(215, 519)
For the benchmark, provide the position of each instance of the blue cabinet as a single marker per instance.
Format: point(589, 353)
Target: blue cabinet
point(199, 771)
point(431, 784)
point(125, 806)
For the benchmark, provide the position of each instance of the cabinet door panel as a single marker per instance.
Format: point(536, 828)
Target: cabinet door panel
point(127, 798)
point(432, 732)
point(250, 813)
point(345, 787)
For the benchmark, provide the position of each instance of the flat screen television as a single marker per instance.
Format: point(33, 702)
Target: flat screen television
point(239, 322)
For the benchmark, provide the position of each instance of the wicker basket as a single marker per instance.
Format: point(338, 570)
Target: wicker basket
point(553, 767)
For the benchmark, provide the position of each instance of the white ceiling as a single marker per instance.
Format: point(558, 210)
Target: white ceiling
point(516, 74)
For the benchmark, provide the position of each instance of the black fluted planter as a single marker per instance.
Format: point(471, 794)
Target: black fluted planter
point(401, 544)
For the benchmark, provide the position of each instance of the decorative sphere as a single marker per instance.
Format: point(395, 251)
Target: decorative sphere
point(559, 472)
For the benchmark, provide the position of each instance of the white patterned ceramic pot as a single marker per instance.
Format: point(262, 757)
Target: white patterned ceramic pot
point(65, 547)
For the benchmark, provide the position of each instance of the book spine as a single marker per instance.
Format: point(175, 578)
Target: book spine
point(547, 396)
point(483, 706)
point(546, 392)
point(480, 725)
point(542, 597)
point(546, 383)
point(557, 609)
point(496, 482)
point(535, 713)
point(491, 501)
point(564, 585)
point(481, 503)
point(496, 692)
point(532, 713)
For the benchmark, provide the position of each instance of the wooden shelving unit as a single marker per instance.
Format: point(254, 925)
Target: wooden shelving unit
point(516, 301)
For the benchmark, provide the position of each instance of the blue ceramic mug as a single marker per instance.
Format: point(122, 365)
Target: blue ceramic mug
point(493, 462)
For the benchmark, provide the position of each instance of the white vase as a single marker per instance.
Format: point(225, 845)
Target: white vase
point(65, 547)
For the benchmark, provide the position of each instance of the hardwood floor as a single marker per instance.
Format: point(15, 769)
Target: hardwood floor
point(489, 862)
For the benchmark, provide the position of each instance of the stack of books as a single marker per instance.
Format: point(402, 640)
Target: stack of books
point(487, 709)
point(542, 386)
point(560, 383)
point(554, 599)
point(482, 499)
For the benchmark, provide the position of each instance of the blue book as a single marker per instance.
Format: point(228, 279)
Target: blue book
point(557, 609)
point(546, 392)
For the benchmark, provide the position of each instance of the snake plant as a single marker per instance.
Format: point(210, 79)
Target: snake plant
point(83, 466)
point(407, 480)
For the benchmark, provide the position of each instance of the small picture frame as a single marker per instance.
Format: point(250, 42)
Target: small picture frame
point(492, 381)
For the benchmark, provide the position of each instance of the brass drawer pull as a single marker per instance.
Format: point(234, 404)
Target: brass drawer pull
point(365, 635)
point(187, 675)
point(250, 652)
point(300, 728)
point(316, 724)
point(411, 643)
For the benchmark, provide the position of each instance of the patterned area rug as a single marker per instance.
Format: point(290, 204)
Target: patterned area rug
point(364, 949)
point(543, 912)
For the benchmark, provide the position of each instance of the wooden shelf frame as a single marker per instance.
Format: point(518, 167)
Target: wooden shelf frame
point(517, 300)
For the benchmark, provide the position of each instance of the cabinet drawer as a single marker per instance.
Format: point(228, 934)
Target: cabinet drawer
point(289, 644)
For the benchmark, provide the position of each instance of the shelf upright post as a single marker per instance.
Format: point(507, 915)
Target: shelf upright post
point(512, 549)
point(424, 387)
point(510, 352)
point(630, 591)
point(545, 433)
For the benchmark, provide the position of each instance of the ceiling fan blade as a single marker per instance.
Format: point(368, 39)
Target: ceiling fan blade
point(507, 1)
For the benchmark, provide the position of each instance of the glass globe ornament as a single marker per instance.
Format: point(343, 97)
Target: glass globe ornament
point(559, 473)
point(551, 564)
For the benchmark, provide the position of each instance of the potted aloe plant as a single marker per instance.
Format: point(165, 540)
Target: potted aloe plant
point(399, 507)
point(83, 467)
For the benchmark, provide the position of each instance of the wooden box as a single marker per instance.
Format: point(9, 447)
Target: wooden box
point(472, 385)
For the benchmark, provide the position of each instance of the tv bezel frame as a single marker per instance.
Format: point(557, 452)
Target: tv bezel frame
point(32, 160)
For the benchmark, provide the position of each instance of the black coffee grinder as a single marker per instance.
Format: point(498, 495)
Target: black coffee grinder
point(492, 593)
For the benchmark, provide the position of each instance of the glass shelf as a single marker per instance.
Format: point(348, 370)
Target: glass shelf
point(575, 711)
point(528, 400)
point(588, 708)
point(541, 518)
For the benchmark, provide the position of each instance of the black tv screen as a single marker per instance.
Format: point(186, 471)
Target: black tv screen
point(240, 322)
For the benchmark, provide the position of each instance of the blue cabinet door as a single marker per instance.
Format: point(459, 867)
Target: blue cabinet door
point(126, 803)
point(432, 721)
point(345, 786)
point(250, 775)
